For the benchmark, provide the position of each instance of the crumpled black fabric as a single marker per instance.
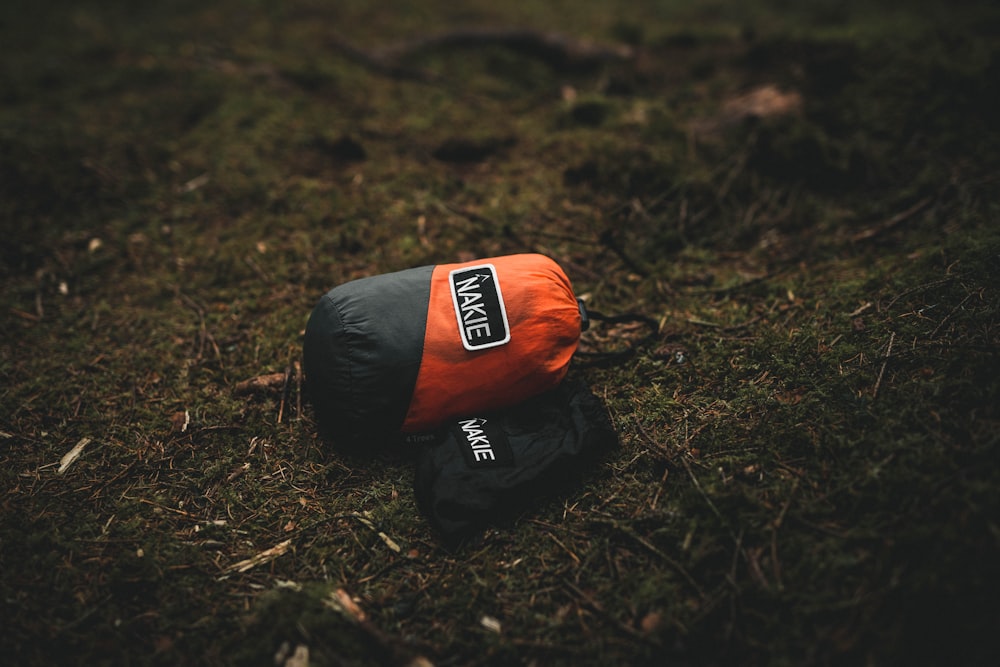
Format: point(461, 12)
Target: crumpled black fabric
point(552, 439)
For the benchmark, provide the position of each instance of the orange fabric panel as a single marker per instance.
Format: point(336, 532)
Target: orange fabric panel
point(544, 324)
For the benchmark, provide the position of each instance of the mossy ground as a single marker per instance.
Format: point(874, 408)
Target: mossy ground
point(808, 463)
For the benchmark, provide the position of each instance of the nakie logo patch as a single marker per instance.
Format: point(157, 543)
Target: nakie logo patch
point(482, 317)
point(483, 444)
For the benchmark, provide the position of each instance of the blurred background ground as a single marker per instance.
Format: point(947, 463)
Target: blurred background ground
point(802, 194)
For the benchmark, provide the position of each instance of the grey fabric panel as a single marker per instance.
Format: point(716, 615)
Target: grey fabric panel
point(362, 351)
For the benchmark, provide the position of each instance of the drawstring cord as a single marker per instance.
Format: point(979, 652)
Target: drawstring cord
point(595, 358)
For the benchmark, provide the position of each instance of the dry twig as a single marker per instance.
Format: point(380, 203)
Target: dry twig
point(265, 556)
point(72, 455)
point(871, 232)
point(556, 49)
point(888, 353)
point(388, 541)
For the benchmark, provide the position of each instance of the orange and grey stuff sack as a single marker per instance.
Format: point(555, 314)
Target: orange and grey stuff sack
point(402, 353)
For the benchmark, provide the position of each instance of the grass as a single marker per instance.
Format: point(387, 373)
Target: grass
point(807, 471)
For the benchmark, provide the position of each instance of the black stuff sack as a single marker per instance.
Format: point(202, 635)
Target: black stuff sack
point(490, 468)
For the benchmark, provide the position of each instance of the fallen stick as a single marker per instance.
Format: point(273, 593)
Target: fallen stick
point(556, 49)
point(261, 382)
point(286, 386)
point(388, 541)
point(865, 234)
point(72, 455)
point(552, 47)
point(888, 353)
point(395, 650)
point(265, 556)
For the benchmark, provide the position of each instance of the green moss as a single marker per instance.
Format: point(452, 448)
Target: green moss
point(807, 464)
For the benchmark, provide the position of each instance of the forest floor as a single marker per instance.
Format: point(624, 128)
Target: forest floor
point(803, 195)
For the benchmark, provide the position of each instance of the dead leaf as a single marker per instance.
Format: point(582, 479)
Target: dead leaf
point(791, 397)
point(766, 101)
point(179, 421)
point(341, 601)
point(491, 624)
point(300, 658)
point(651, 621)
point(762, 102)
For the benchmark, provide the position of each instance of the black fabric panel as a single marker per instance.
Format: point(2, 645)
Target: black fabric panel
point(552, 439)
point(362, 351)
